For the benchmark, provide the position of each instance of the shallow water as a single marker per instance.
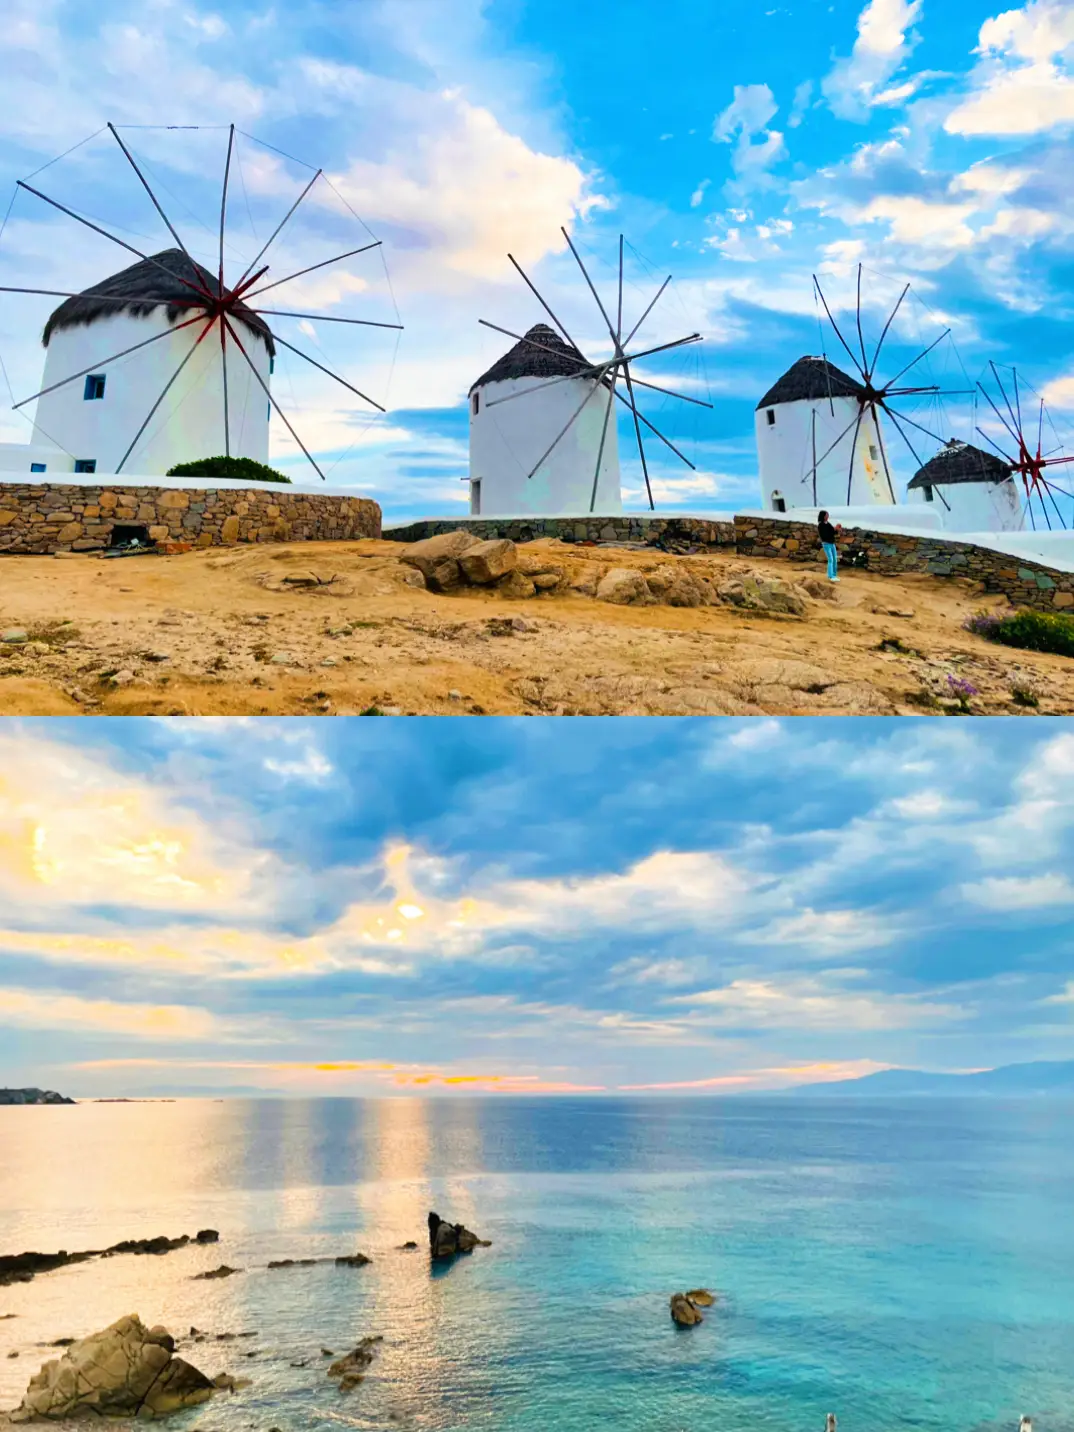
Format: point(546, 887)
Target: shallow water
point(902, 1264)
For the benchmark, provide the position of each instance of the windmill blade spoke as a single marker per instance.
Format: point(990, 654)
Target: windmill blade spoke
point(1040, 428)
point(935, 437)
point(325, 318)
point(365, 398)
point(578, 259)
point(997, 447)
point(275, 406)
point(887, 325)
point(913, 363)
point(1017, 399)
point(145, 185)
point(835, 325)
point(1000, 416)
point(641, 383)
point(533, 289)
point(338, 259)
point(883, 450)
point(1053, 488)
point(645, 315)
point(568, 424)
point(539, 387)
point(861, 340)
point(654, 429)
point(63, 293)
point(662, 348)
point(200, 290)
point(834, 445)
point(533, 343)
point(853, 453)
point(103, 362)
point(603, 439)
point(641, 445)
point(619, 319)
point(268, 242)
point(913, 454)
point(167, 387)
point(1003, 390)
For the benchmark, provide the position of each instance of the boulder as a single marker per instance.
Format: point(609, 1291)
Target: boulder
point(763, 594)
point(819, 588)
point(700, 1297)
point(684, 1311)
point(127, 1370)
point(207, 1235)
point(351, 1369)
point(222, 1272)
point(515, 585)
point(352, 1260)
point(436, 558)
point(487, 562)
point(623, 586)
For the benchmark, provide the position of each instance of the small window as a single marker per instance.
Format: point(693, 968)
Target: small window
point(38, 467)
point(928, 494)
point(268, 412)
point(771, 416)
point(475, 497)
point(85, 464)
point(475, 403)
point(779, 503)
point(873, 453)
point(272, 365)
point(94, 387)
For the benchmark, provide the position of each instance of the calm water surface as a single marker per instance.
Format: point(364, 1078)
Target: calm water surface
point(902, 1264)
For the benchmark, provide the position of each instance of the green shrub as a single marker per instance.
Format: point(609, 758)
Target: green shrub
point(242, 469)
point(1030, 630)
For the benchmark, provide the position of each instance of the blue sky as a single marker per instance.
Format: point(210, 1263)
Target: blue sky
point(740, 147)
point(529, 905)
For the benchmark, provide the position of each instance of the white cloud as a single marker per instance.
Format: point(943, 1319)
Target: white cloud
point(859, 82)
point(825, 932)
point(747, 115)
point(699, 193)
point(1022, 84)
point(1059, 393)
point(1014, 893)
point(44, 1009)
point(811, 1004)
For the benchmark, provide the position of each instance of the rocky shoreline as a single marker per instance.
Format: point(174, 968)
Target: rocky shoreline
point(24, 1267)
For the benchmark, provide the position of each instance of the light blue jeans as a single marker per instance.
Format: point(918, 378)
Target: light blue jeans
point(832, 555)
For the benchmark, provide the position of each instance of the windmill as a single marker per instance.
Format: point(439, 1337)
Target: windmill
point(223, 312)
point(587, 378)
point(1029, 461)
point(875, 397)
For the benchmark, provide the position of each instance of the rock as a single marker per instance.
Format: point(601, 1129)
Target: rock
point(123, 1371)
point(293, 1263)
point(779, 671)
point(351, 1368)
point(819, 588)
point(586, 583)
point(448, 1239)
point(764, 594)
point(487, 562)
point(62, 1342)
point(409, 1244)
point(515, 586)
point(207, 1235)
point(352, 1260)
point(684, 1312)
point(546, 581)
point(302, 579)
point(282, 658)
point(13, 1353)
point(121, 678)
point(701, 1297)
point(224, 1381)
point(222, 1272)
point(14, 636)
point(436, 558)
point(623, 586)
point(327, 1352)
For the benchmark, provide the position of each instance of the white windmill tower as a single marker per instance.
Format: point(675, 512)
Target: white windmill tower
point(542, 419)
point(132, 385)
point(974, 490)
point(820, 442)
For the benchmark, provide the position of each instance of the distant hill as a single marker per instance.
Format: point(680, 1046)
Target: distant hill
point(1044, 1077)
point(32, 1096)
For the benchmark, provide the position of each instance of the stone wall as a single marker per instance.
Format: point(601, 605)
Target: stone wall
point(1024, 582)
point(64, 517)
point(627, 527)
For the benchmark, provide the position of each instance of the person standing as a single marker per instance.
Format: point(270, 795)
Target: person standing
point(828, 536)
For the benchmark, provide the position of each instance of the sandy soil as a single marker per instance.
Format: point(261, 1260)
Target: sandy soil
point(222, 633)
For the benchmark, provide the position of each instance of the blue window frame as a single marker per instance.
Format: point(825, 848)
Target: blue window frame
point(85, 464)
point(94, 387)
point(38, 467)
point(272, 365)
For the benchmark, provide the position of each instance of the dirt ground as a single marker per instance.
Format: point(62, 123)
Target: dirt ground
point(221, 632)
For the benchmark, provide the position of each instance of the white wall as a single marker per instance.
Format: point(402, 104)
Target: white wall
point(974, 506)
point(189, 422)
point(785, 455)
point(506, 439)
point(15, 458)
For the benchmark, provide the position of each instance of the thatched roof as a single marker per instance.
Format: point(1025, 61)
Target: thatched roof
point(961, 462)
point(144, 287)
point(811, 378)
point(526, 361)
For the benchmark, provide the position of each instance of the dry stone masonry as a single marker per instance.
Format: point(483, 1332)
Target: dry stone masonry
point(637, 527)
point(64, 517)
point(1024, 582)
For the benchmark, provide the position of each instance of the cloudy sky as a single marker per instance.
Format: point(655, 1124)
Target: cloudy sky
point(740, 147)
point(368, 906)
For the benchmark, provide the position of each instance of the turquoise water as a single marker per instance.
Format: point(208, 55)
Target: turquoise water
point(901, 1264)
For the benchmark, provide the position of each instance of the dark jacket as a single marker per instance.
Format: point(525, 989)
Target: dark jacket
point(826, 531)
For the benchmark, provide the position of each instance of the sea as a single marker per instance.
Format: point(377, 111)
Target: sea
point(902, 1264)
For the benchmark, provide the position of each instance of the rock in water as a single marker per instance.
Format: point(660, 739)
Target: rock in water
point(447, 1239)
point(701, 1297)
point(351, 1369)
point(125, 1371)
point(684, 1311)
point(487, 562)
